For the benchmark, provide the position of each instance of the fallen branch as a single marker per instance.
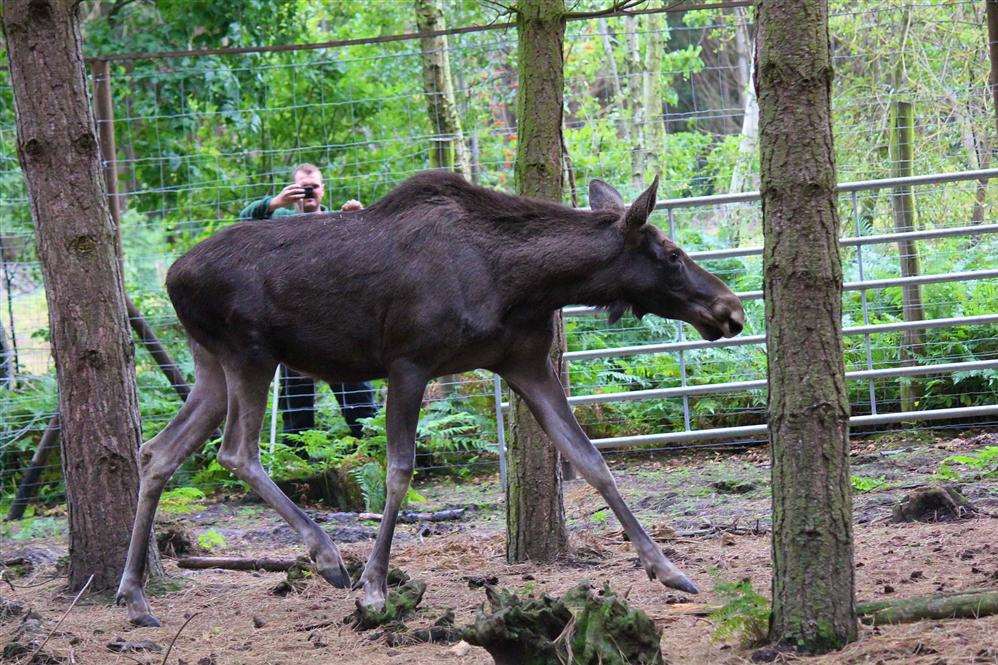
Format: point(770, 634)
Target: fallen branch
point(969, 604)
point(236, 563)
point(411, 517)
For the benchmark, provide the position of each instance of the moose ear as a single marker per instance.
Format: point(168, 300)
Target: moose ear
point(604, 197)
point(642, 207)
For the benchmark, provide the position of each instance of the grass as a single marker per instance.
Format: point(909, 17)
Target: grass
point(864, 484)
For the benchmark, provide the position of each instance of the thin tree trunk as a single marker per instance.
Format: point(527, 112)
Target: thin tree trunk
point(535, 512)
point(634, 97)
point(813, 585)
point(654, 129)
point(742, 178)
point(992, 12)
point(903, 204)
point(79, 247)
point(448, 150)
point(617, 101)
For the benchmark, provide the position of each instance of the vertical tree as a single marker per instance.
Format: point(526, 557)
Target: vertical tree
point(902, 141)
point(633, 71)
point(448, 150)
point(813, 600)
point(654, 126)
point(535, 513)
point(80, 251)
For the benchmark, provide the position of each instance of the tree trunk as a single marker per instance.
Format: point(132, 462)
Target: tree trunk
point(617, 102)
point(968, 604)
point(654, 128)
point(80, 252)
point(448, 148)
point(903, 203)
point(742, 179)
point(813, 596)
point(992, 10)
point(634, 97)
point(28, 487)
point(535, 513)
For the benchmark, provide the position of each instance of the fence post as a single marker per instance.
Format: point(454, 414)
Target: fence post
point(903, 204)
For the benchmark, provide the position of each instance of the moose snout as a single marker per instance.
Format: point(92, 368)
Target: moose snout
point(729, 314)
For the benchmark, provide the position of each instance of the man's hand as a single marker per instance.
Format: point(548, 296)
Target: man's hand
point(288, 196)
point(352, 206)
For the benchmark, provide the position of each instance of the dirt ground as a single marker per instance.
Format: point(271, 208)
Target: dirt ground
point(717, 502)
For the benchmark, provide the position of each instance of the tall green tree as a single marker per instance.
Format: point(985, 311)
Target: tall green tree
point(813, 585)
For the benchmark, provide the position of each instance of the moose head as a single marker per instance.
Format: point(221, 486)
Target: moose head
point(655, 276)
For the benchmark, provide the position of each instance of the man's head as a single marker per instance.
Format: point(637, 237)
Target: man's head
point(308, 176)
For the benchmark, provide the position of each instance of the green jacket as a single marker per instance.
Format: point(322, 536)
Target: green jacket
point(258, 210)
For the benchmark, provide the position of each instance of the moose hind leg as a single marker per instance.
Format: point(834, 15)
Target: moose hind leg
point(158, 460)
point(240, 453)
point(540, 387)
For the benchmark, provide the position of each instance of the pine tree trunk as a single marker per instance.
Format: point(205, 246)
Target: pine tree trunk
point(992, 14)
point(903, 203)
point(448, 148)
point(742, 179)
point(535, 512)
point(80, 251)
point(617, 101)
point(813, 597)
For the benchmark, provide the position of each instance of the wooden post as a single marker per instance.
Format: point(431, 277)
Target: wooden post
point(28, 487)
point(813, 582)
point(903, 204)
point(104, 116)
point(535, 511)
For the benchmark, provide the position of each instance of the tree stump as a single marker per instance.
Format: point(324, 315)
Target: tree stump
point(399, 604)
point(933, 504)
point(585, 627)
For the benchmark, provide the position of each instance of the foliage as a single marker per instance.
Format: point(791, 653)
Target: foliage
point(984, 461)
point(181, 501)
point(743, 614)
point(211, 540)
point(864, 484)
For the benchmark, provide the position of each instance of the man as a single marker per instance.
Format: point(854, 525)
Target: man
point(297, 400)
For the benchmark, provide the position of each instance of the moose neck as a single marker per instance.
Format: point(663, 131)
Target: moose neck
point(562, 262)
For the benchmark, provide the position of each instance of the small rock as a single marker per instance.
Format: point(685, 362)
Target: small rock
point(479, 581)
point(460, 649)
point(917, 575)
point(208, 660)
point(528, 577)
point(258, 621)
point(727, 539)
point(888, 588)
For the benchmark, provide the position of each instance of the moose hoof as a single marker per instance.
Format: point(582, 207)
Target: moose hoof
point(145, 621)
point(337, 576)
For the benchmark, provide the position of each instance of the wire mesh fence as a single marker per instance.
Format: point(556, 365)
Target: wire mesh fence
point(201, 136)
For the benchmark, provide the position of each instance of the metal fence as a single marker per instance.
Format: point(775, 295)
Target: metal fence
point(188, 157)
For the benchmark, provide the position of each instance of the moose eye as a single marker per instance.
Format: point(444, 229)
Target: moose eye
point(675, 255)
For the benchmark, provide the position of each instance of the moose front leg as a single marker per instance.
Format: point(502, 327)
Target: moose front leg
point(538, 384)
point(406, 385)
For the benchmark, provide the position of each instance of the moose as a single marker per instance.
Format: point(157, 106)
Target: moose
point(438, 277)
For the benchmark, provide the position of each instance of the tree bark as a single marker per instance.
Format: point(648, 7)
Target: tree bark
point(651, 88)
point(635, 109)
point(448, 148)
point(535, 512)
point(813, 586)
point(992, 12)
point(742, 179)
point(80, 252)
point(903, 204)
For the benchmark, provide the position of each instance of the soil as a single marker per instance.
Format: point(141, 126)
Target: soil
point(710, 509)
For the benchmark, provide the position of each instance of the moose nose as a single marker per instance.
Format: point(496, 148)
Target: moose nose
point(731, 315)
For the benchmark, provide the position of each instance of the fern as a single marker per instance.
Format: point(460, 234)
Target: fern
point(371, 479)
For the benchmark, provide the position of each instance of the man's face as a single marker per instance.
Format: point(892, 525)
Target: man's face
point(311, 179)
